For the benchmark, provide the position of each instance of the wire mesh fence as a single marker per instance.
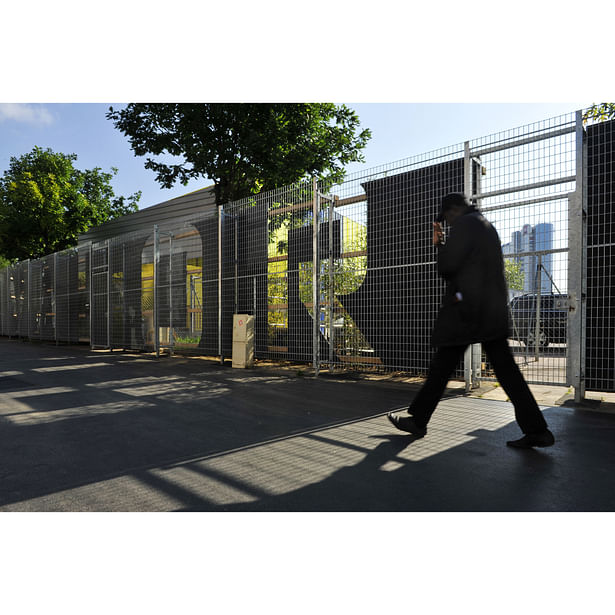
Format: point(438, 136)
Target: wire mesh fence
point(381, 290)
point(599, 282)
point(527, 178)
point(344, 276)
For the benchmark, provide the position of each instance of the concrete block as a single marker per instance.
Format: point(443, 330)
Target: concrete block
point(243, 327)
point(243, 354)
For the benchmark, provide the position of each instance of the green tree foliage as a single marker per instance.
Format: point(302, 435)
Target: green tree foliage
point(243, 148)
point(600, 112)
point(45, 203)
point(515, 278)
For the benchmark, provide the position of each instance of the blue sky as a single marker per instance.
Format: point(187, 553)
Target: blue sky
point(399, 130)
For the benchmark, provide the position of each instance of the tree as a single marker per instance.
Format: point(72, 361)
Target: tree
point(600, 112)
point(45, 203)
point(515, 278)
point(243, 148)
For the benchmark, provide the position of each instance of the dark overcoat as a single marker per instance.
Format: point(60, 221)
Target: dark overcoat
point(475, 305)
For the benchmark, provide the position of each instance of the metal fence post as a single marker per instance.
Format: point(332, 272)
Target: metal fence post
point(109, 296)
point(538, 302)
point(315, 265)
point(29, 299)
point(90, 295)
point(473, 353)
point(331, 289)
point(254, 299)
point(171, 336)
point(156, 265)
point(124, 298)
point(54, 303)
point(68, 294)
point(5, 310)
point(577, 207)
point(220, 214)
point(236, 303)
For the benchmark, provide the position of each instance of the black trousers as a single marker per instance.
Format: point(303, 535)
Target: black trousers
point(528, 415)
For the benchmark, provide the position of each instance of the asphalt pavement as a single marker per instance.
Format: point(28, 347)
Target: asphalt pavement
point(100, 431)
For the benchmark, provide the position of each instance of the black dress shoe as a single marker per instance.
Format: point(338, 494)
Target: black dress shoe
point(531, 440)
point(405, 422)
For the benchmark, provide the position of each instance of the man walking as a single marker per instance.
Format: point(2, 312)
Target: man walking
point(474, 309)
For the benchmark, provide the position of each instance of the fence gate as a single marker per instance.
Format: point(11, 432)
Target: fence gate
point(530, 190)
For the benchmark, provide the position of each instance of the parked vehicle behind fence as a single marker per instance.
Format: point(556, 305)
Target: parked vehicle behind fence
point(553, 319)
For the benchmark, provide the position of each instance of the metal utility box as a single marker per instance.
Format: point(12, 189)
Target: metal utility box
point(243, 340)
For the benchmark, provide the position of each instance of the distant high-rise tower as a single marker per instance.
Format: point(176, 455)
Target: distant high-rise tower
point(533, 239)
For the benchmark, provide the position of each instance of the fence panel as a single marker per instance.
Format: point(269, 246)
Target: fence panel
point(79, 288)
point(600, 280)
point(63, 295)
point(180, 277)
point(22, 308)
point(99, 312)
point(11, 294)
point(381, 287)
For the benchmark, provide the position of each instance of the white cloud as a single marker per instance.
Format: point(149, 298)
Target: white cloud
point(30, 114)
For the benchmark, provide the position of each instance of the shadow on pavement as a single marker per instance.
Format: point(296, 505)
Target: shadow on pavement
point(90, 431)
point(69, 417)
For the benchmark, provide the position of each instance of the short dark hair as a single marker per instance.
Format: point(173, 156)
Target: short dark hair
point(450, 201)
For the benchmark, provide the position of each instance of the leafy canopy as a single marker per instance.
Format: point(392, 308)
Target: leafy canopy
point(600, 112)
point(45, 203)
point(515, 278)
point(243, 148)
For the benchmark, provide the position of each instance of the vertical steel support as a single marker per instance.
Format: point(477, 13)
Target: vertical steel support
point(5, 319)
point(472, 355)
point(29, 298)
point(41, 302)
point(109, 296)
point(577, 262)
point(171, 336)
point(90, 295)
point(125, 340)
point(220, 215)
point(68, 294)
point(331, 288)
point(156, 266)
point(236, 302)
point(538, 301)
point(54, 303)
point(5, 316)
point(254, 301)
point(9, 316)
point(192, 304)
point(315, 265)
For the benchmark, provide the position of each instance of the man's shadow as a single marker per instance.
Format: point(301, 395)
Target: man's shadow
point(360, 487)
point(462, 477)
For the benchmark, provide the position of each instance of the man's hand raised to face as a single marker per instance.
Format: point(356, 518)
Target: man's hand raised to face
point(438, 234)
